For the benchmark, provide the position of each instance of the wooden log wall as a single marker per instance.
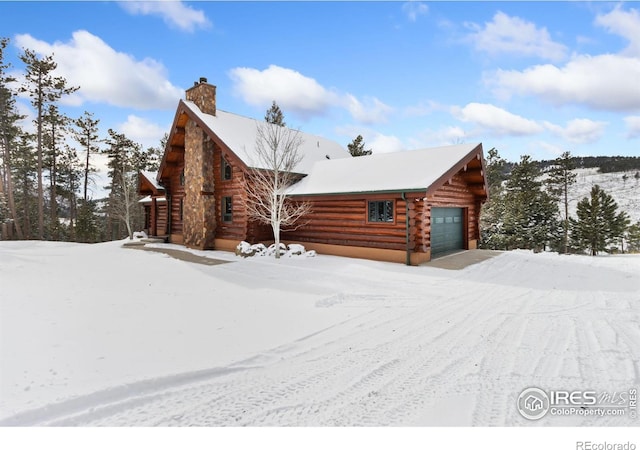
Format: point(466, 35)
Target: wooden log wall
point(177, 195)
point(161, 218)
point(341, 220)
point(235, 188)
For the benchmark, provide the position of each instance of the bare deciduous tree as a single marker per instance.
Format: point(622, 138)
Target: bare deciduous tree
point(124, 207)
point(277, 155)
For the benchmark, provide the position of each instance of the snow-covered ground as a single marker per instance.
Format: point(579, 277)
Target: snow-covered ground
point(102, 335)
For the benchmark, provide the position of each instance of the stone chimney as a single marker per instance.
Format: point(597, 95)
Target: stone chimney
point(199, 207)
point(203, 95)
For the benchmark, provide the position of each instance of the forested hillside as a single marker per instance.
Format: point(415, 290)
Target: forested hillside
point(604, 164)
point(47, 165)
point(562, 205)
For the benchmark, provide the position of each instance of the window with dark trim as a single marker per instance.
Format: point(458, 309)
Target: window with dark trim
point(181, 208)
point(227, 209)
point(226, 169)
point(381, 211)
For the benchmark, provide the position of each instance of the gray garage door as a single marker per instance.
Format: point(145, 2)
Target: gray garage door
point(447, 230)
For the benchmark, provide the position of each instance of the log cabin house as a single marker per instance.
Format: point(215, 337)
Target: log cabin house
point(405, 207)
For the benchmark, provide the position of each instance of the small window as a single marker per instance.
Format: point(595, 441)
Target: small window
point(381, 211)
point(226, 169)
point(182, 178)
point(181, 208)
point(227, 209)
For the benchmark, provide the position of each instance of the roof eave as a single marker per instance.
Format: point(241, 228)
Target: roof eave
point(385, 191)
point(476, 152)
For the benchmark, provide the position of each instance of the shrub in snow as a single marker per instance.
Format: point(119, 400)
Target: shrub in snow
point(140, 235)
point(245, 249)
point(271, 251)
point(296, 249)
point(259, 249)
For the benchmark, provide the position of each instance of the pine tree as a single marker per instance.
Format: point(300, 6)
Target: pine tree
point(598, 224)
point(87, 225)
point(69, 176)
point(356, 147)
point(44, 89)
point(560, 179)
point(274, 115)
point(492, 214)
point(633, 237)
point(23, 161)
point(154, 154)
point(86, 133)
point(530, 213)
point(55, 129)
point(9, 132)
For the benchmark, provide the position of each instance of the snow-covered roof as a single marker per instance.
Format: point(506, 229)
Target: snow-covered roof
point(152, 178)
point(239, 134)
point(147, 199)
point(399, 171)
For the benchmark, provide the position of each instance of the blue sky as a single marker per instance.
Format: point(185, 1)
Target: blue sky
point(532, 78)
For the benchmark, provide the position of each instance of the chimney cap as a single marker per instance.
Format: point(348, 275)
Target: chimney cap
point(203, 79)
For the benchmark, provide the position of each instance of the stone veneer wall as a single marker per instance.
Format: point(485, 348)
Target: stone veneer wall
point(199, 219)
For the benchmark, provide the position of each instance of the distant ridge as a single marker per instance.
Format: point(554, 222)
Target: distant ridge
point(605, 164)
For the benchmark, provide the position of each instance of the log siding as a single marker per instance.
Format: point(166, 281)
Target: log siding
point(344, 219)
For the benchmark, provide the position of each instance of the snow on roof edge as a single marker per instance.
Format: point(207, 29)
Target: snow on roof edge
point(403, 171)
point(152, 177)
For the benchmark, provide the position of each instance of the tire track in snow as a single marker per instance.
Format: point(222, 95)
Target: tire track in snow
point(386, 366)
point(320, 375)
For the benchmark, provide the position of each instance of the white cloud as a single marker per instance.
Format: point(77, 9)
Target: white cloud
point(625, 24)
point(579, 131)
point(497, 120)
point(371, 112)
point(449, 135)
point(174, 13)
point(513, 35)
point(289, 88)
point(607, 82)
point(301, 94)
point(633, 126)
point(446, 135)
point(381, 143)
point(551, 149)
point(423, 108)
point(105, 75)
point(414, 9)
point(140, 130)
